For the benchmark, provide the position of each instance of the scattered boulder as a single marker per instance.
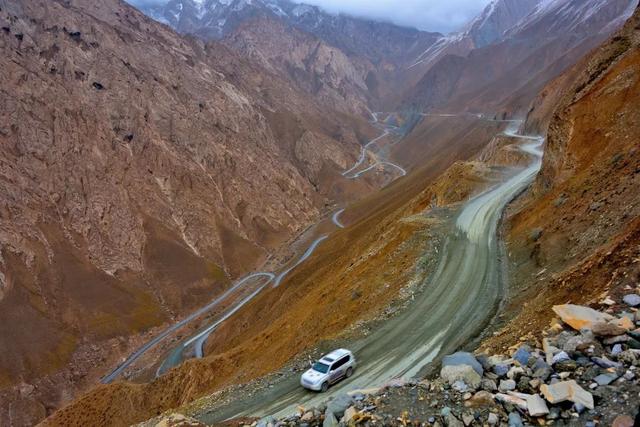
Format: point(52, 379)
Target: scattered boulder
point(603, 362)
point(330, 420)
point(339, 404)
point(507, 385)
point(522, 355)
point(632, 299)
point(536, 406)
point(623, 421)
point(452, 421)
point(579, 317)
point(267, 421)
point(480, 399)
point(560, 357)
point(625, 323)
point(605, 379)
point(567, 391)
point(512, 400)
point(307, 417)
point(178, 420)
point(515, 420)
point(462, 367)
point(463, 358)
point(493, 419)
point(501, 370)
point(489, 385)
point(349, 414)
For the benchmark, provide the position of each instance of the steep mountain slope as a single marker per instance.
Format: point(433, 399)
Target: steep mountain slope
point(575, 237)
point(518, 63)
point(376, 49)
point(497, 18)
point(141, 171)
point(319, 69)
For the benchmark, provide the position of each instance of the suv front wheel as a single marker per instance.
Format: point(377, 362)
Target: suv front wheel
point(324, 387)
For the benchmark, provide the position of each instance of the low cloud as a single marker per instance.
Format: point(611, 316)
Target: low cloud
point(431, 15)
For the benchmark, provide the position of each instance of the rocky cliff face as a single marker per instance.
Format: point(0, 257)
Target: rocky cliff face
point(315, 67)
point(141, 170)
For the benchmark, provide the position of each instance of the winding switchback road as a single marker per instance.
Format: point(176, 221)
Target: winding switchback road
point(335, 218)
point(158, 338)
point(234, 296)
point(456, 304)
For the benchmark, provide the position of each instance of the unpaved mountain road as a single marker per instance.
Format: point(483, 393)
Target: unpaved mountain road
point(456, 304)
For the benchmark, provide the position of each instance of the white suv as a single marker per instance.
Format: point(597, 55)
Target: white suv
point(328, 370)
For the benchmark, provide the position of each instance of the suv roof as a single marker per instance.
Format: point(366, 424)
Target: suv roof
point(334, 355)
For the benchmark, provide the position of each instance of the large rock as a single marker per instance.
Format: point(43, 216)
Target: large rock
point(330, 420)
point(536, 406)
point(578, 316)
point(607, 329)
point(632, 299)
point(464, 373)
point(567, 391)
point(339, 404)
point(462, 367)
point(463, 358)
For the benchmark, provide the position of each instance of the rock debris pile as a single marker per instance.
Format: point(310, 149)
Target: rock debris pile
point(585, 372)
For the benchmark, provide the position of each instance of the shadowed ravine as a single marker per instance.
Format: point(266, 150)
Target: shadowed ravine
point(457, 300)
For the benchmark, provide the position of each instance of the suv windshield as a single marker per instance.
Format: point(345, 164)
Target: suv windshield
point(320, 367)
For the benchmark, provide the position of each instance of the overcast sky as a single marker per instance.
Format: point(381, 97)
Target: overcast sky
point(433, 15)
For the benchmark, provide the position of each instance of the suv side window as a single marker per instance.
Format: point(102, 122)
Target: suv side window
point(340, 362)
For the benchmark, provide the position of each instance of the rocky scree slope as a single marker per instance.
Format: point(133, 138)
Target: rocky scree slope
point(135, 165)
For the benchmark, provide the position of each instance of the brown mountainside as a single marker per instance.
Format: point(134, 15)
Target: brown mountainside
point(141, 171)
point(315, 67)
